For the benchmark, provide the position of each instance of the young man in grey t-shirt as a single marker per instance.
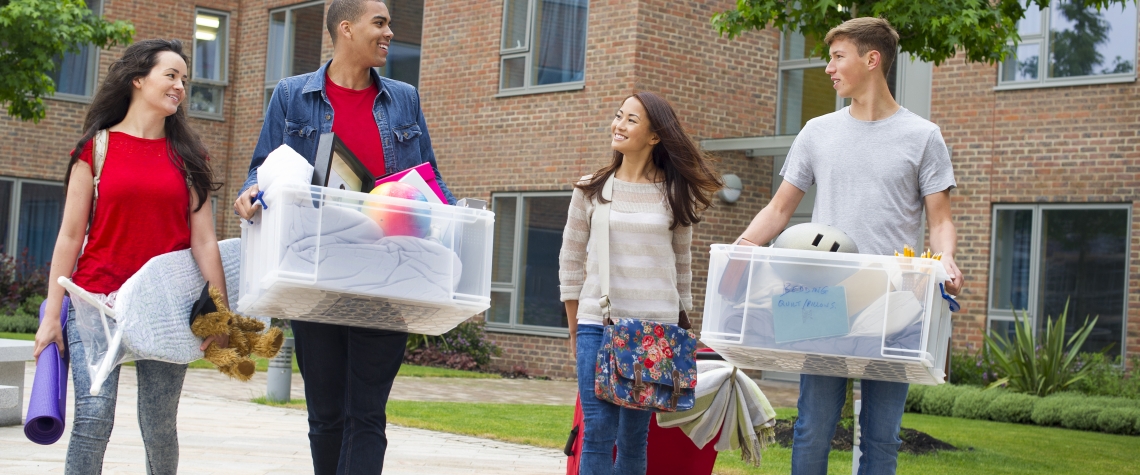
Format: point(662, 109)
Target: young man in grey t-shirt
point(877, 165)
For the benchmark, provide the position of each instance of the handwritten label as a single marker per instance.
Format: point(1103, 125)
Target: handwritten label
point(803, 313)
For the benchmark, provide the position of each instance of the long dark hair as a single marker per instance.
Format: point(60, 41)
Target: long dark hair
point(110, 104)
point(689, 179)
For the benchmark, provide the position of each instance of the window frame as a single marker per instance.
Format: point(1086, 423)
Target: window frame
point(287, 60)
point(792, 65)
point(1043, 81)
point(92, 72)
point(516, 271)
point(13, 235)
point(527, 51)
point(223, 83)
point(1033, 298)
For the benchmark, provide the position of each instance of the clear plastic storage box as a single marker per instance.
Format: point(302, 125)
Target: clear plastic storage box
point(334, 256)
point(849, 315)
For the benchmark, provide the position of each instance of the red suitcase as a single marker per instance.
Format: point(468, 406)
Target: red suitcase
point(670, 451)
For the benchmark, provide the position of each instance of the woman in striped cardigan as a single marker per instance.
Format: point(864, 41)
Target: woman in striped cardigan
point(661, 185)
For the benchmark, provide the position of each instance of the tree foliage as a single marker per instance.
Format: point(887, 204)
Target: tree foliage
point(932, 30)
point(35, 32)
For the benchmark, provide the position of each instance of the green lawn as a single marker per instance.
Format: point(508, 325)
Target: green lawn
point(997, 447)
point(18, 336)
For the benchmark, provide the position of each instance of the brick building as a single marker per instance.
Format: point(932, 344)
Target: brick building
point(518, 95)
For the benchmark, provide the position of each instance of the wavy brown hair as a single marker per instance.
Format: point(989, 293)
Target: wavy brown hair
point(110, 104)
point(689, 179)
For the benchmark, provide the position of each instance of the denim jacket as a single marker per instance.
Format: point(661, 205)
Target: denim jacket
point(300, 111)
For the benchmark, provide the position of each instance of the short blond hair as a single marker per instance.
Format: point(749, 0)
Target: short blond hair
point(868, 33)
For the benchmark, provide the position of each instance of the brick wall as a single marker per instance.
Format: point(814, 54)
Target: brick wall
point(1047, 145)
point(544, 142)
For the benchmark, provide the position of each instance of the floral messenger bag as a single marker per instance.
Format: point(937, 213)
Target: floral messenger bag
point(642, 364)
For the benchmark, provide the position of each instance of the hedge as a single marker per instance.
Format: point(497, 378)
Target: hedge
point(1119, 420)
point(1012, 407)
point(914, 397)
point(1070, 410)
point(975, 404)
point(939, 400)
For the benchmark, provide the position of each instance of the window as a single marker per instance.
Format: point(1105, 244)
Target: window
point(30, 213)
point(210, 63)
point(1045, 256)
point(805, 88)
point(75, 72)
point(544, 46)
point(1082, 46)
point(404, 52)
point(294, 42)
point(524, 267)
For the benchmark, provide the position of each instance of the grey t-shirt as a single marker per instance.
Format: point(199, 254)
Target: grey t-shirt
point(872, 176)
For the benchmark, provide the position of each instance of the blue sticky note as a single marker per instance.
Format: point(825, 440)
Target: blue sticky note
point(803, 313)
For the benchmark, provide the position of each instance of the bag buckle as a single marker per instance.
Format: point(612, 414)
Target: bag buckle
point(638, 385)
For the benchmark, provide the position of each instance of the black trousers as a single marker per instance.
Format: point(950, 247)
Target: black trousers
point(348, 375)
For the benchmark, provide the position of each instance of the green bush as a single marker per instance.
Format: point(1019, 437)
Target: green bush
point(914, 397)
point(972, 369)
point(1107, 377)
point(939, 400)
point(1081, 416)
point(1119, 420)
point(24, 318)
point(1047, 411)
point(974, 403)
point(1012, 407)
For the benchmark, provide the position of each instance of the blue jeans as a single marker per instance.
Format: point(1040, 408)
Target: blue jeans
point(159, 389)
point(607, 423)
point(821, 400)
point(348, 375)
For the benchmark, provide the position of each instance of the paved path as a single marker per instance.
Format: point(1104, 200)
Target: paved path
point(220, 432)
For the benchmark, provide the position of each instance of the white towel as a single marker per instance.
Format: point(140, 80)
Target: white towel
point(728, 403)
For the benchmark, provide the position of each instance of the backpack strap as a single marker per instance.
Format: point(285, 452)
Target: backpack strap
point(600, 227)
point(98, 156)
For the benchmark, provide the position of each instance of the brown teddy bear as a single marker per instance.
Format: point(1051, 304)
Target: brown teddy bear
point(211, 316)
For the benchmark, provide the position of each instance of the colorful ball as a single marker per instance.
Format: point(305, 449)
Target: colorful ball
point(400, 220)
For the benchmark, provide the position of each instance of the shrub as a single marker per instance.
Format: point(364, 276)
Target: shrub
point(974, 403)
point(914, 397)
point(939, 400)
point(1081, 416)
point(19, 282)
point(1012, 407)
point(1119, 420)
point(1042, 365)
point(972, 369)
point(25, 318)
point(1047, 411)
point(1107, 376)
point(464, 347)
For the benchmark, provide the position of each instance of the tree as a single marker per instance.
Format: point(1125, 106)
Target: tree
point(35, 32)
point(932, 30)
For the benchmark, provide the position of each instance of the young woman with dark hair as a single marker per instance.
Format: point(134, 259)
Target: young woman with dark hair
point(661, 185)
point(153, 198)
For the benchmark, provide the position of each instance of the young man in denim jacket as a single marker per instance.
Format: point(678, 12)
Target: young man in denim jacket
point(877, 166)
point(348, 372)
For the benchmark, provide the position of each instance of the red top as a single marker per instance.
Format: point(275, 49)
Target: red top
point(355, 125)
point(143, 211)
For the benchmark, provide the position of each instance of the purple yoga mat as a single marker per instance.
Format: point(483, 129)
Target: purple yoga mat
point(48, 405)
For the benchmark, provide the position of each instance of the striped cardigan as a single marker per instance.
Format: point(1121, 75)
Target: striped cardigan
point(650, 266)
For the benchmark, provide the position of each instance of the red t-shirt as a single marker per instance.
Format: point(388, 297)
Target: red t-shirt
point(143, 211)
point(355, 125)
